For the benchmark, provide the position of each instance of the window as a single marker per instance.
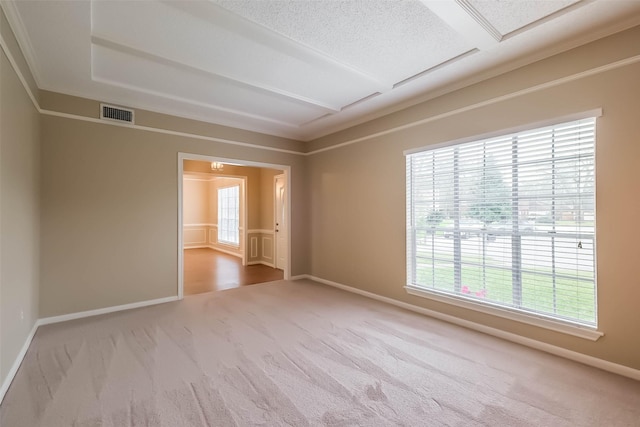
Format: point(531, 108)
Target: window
point(229, 215)
point(507, 222)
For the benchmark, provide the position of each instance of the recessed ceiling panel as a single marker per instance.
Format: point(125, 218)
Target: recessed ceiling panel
point(391, 39)
point(508, 16)
point(198, 35)
point(299, 69)
point(147, 76)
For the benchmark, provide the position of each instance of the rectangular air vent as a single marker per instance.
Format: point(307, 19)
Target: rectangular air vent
point(119, 114)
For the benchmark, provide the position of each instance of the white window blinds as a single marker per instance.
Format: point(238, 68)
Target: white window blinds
point(508, 221)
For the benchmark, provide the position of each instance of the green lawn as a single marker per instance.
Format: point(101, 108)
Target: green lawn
point(537, 289)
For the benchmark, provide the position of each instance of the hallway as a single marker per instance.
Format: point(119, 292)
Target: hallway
point(207, 270)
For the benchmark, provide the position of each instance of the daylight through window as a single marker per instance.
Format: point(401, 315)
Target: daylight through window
point(229, 215)
point(508, 221)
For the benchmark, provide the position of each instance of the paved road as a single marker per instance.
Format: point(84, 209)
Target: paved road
point(536, 250)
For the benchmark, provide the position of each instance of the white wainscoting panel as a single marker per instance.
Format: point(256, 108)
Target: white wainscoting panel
point(254, 247)
point(267, 247)
point(195, 236)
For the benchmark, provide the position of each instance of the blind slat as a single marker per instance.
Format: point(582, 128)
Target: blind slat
point(508, 220)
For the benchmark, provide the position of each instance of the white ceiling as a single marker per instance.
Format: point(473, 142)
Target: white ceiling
point(293, 68)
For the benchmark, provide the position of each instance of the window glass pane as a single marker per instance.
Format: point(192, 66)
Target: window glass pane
point(229, 215)
point(508, 220)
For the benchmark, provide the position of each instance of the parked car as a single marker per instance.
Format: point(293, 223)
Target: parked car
point(468, 228)
point(504, 228)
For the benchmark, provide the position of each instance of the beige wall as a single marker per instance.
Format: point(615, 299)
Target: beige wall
point(19, 215)
point(200, 211)
point(252, 175)
point(358, 191)
point(260, 200)
point(119, 185)
point(198, 228)
point(91, 108)
point(195, 195)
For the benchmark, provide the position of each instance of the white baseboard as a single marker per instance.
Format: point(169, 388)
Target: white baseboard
point(16, 364)
point(106, 310)
point(528, 342)
point(217, 248)
point(63, 318)
point(268, 264)
point(300, 277)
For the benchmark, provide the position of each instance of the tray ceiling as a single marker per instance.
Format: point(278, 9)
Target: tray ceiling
point(299, 69)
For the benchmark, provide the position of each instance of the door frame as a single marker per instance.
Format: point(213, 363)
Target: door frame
point(275, 217)
point(236, 162)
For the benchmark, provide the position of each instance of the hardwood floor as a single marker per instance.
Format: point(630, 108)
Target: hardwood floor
point(207, 270)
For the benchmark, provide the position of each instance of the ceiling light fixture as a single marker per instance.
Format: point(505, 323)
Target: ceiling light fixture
point(216, 166)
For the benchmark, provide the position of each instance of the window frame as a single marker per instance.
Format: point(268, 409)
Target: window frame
point(224, 230)
point(537, 319)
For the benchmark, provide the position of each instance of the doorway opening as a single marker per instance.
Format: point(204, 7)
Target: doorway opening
point(233, 223)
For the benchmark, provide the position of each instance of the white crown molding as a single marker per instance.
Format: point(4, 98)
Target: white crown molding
point(436, 67)
point(553, 49)
point(596, 112)
point(261, 87)
point(18, 72)
point(19, 30)
point(467, 22)
point(487, 102)
point(188, 177)
point(194, 103)
point(563, 80)
point(499, 333)
point(394, 96)
point(209, 177)
point(169, 132)
point(556, 82)
point(481, 20)
point(247, 125)
point(274, 40)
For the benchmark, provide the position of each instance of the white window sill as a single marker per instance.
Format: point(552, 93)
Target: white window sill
point(565, 328)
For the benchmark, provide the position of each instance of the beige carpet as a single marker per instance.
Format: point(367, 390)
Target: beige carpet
point(298, 354)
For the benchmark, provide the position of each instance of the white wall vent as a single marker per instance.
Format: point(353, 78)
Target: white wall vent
point(118, 114)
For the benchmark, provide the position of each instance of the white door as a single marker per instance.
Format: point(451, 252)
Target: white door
point(281, 225)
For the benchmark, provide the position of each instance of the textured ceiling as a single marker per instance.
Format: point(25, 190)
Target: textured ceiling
point(299, 69)
point(508, 16)
point(392, 40)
